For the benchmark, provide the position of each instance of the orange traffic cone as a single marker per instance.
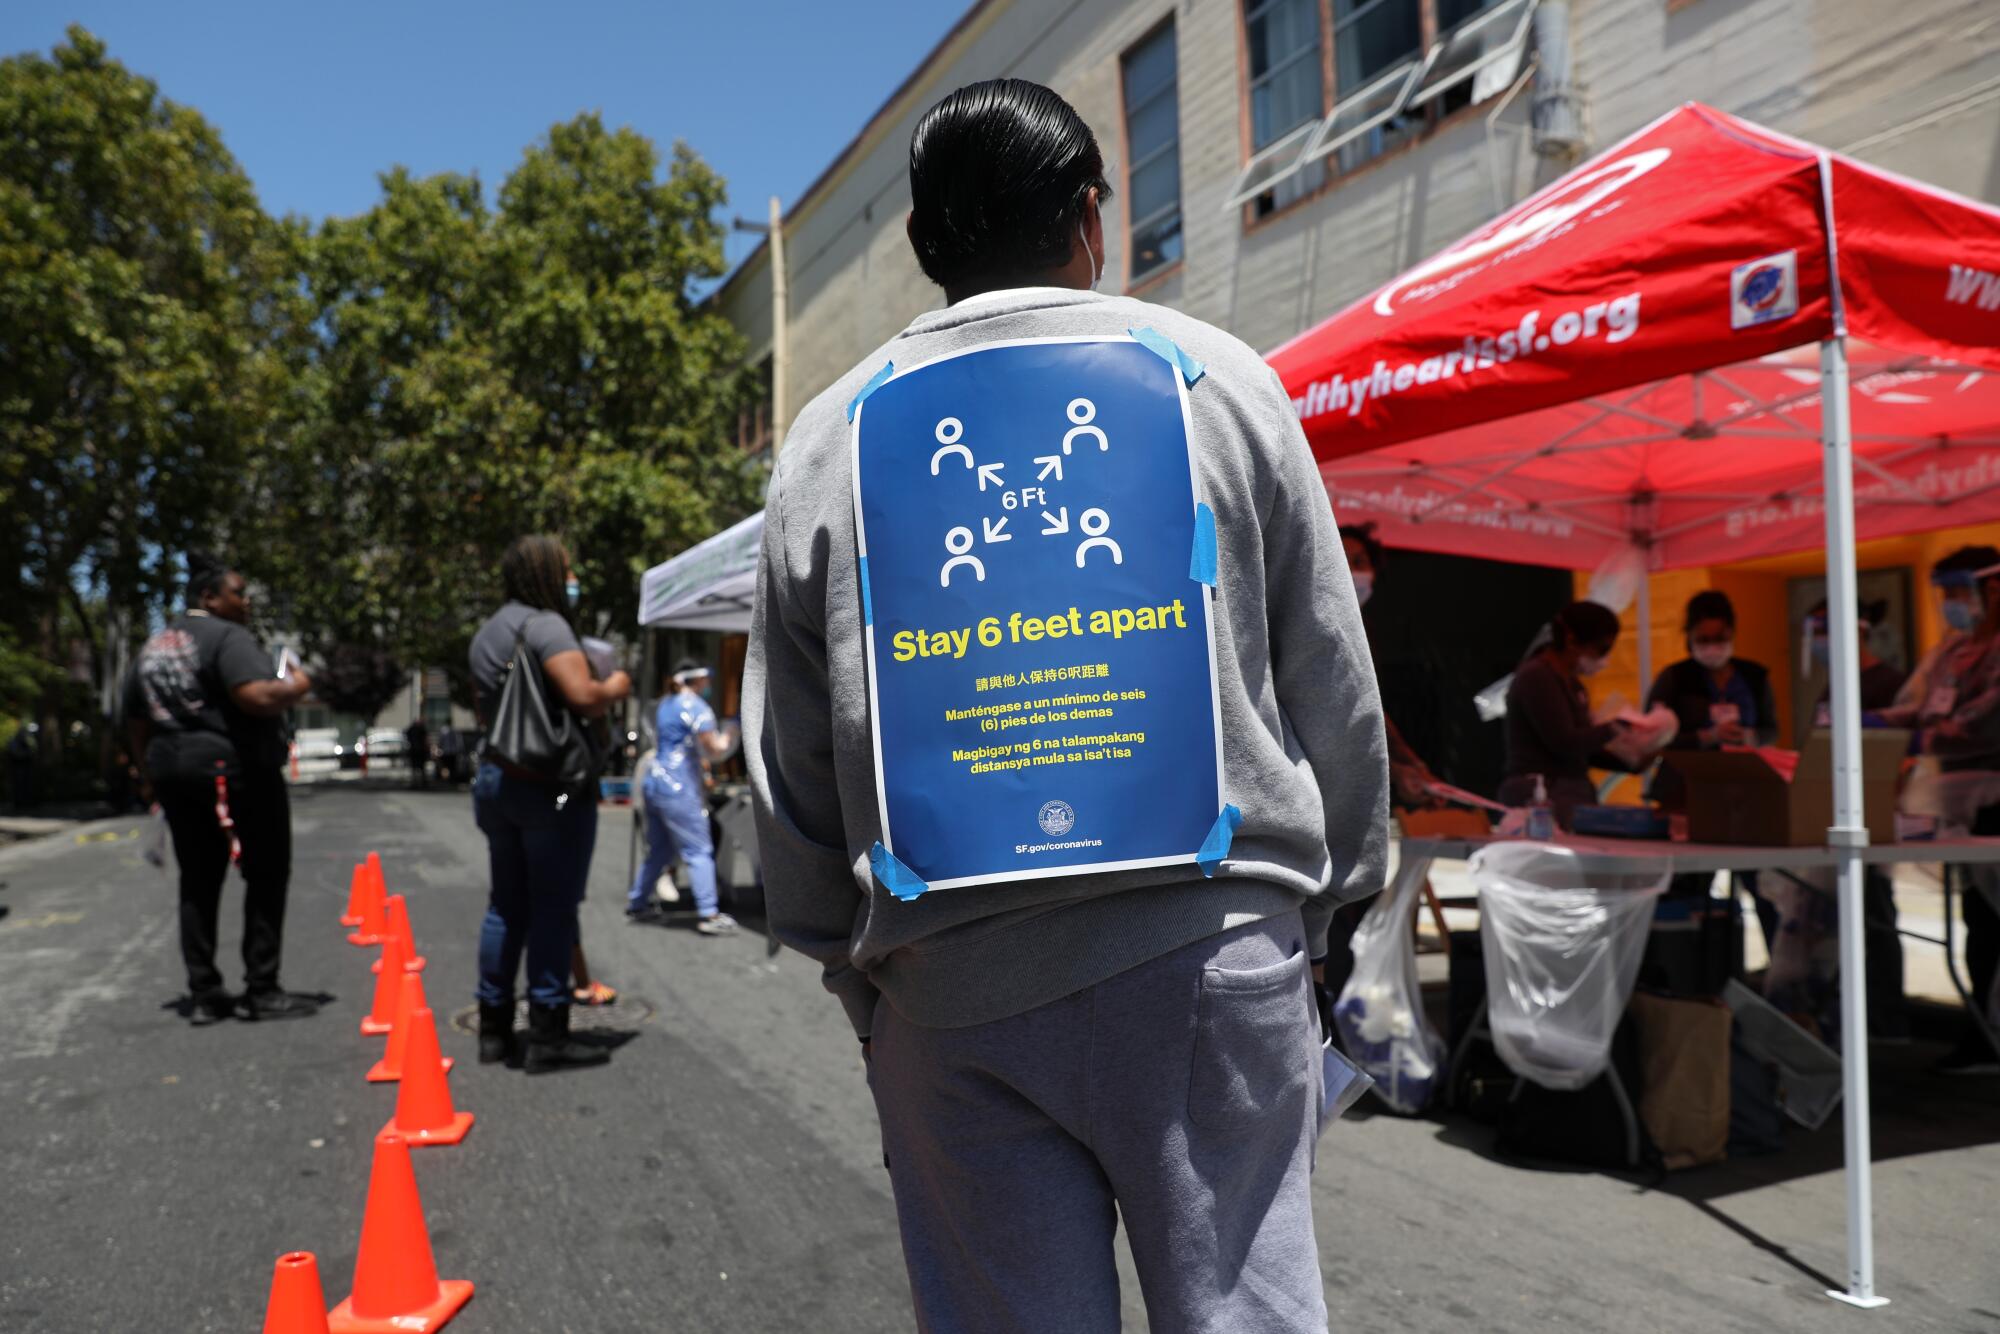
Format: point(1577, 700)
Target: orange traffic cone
point(373, 922)
point(381, 1016)
point(297, 1305)
point(396, 1053)
point(357, 896)
point(397, 926)
point(424, 1114)
point(396, 1287)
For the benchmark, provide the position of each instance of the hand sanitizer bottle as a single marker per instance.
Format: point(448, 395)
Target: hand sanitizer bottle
point(1541, 816)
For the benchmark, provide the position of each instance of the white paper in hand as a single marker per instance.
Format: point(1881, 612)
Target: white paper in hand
point(603, 657)
point(1344, 1082)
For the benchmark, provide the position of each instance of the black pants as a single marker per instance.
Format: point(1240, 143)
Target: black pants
point(259, 805)
point(1886, 1017)
point(1982, 942)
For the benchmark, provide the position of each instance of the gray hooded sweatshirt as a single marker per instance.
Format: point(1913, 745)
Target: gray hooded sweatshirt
point(1304, 756)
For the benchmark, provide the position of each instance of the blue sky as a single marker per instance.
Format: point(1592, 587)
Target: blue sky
point(315, 100)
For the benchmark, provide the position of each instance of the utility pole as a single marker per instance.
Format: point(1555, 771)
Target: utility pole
point(780, 353)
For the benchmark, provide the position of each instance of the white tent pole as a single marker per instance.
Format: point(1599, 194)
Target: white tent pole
point(1849, 834)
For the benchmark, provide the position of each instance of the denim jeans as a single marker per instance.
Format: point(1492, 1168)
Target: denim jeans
point(540, 856)
point(675, 824)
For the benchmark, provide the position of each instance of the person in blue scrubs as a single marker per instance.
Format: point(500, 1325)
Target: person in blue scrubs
point(677, 802)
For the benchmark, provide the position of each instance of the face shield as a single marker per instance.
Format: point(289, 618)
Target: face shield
point(1961, 601)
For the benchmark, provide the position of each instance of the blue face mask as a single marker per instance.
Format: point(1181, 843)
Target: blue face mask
point(1960, 615)
point(572, 590)
point(1819, 649)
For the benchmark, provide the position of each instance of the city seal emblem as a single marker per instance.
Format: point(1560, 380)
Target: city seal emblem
point(1056, 818)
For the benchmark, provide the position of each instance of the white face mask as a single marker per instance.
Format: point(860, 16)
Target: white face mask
point(1364, 587)
point(1589, 666)
point(1096, 271)
point(1714, 656)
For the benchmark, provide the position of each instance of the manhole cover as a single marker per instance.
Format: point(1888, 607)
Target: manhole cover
point(629, 1011)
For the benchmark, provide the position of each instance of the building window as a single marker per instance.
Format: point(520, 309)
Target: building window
point(1372, 38)
point(1153, 153)
point(1287, 94)
point(753, 418)
point(1395, 67)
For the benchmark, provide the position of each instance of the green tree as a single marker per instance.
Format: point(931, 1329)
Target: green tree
point(635, 387)
point(470, 374)
point(362, 413)
point(138, 285)
point(358, 680)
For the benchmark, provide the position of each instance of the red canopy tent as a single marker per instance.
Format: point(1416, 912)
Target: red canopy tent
point(1627, 360)
point(1624, 359)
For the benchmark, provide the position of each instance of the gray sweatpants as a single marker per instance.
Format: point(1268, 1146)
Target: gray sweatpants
point(1182, 1094)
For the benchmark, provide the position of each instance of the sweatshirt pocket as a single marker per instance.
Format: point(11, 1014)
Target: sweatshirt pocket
point(1248, 1051)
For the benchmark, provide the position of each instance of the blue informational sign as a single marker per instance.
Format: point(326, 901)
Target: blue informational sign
point(1041, 664)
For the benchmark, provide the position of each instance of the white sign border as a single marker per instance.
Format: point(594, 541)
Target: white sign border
point(868, 626)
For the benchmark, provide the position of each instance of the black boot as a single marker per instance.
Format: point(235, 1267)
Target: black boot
point(496, 1032)
point(272, 1003)
point(550, 1046)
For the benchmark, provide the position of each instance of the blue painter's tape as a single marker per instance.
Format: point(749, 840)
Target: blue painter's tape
point(1201, 566)
point(875, 381)
point(1155, 341)
point(897, 878)
point(1216, 846)
point(867, 603)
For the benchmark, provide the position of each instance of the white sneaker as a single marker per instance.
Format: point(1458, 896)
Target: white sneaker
point(722, 924)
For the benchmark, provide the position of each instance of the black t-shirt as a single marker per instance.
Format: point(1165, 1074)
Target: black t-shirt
point(181, 682)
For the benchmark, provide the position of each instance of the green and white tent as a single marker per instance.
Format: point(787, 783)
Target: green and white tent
point(707, 587)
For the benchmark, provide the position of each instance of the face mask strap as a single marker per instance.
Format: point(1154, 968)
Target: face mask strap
point(1095, 271)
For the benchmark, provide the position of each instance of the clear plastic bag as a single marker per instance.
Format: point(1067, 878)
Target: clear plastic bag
point(1809, 1082)
point(1380, 1011)
point(1562, 944)
point(155, 849)
point(1342, 1084)
point(1491, 703)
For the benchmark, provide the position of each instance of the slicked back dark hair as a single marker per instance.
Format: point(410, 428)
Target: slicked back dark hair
point(533, 570)
point(1000, 172)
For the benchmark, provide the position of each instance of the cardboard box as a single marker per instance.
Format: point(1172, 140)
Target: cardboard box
point(1735, 797)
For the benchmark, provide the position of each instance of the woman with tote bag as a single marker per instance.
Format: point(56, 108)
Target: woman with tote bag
point(532, 797)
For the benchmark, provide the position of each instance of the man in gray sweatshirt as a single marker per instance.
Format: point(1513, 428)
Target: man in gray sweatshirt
point(1054, 1049)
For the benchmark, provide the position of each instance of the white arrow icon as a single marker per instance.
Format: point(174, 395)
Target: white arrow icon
point(1057, 525)
point(1051, 463)
point(996, 530)
point(990, 472)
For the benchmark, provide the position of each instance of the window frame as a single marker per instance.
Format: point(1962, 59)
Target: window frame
point(1312, 150)
point(1125, 111)
point(1293, 139)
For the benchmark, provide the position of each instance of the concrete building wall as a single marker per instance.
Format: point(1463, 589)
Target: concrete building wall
point(1913, 85)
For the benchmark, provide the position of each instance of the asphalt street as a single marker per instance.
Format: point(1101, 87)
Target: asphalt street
point(723, 1173)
